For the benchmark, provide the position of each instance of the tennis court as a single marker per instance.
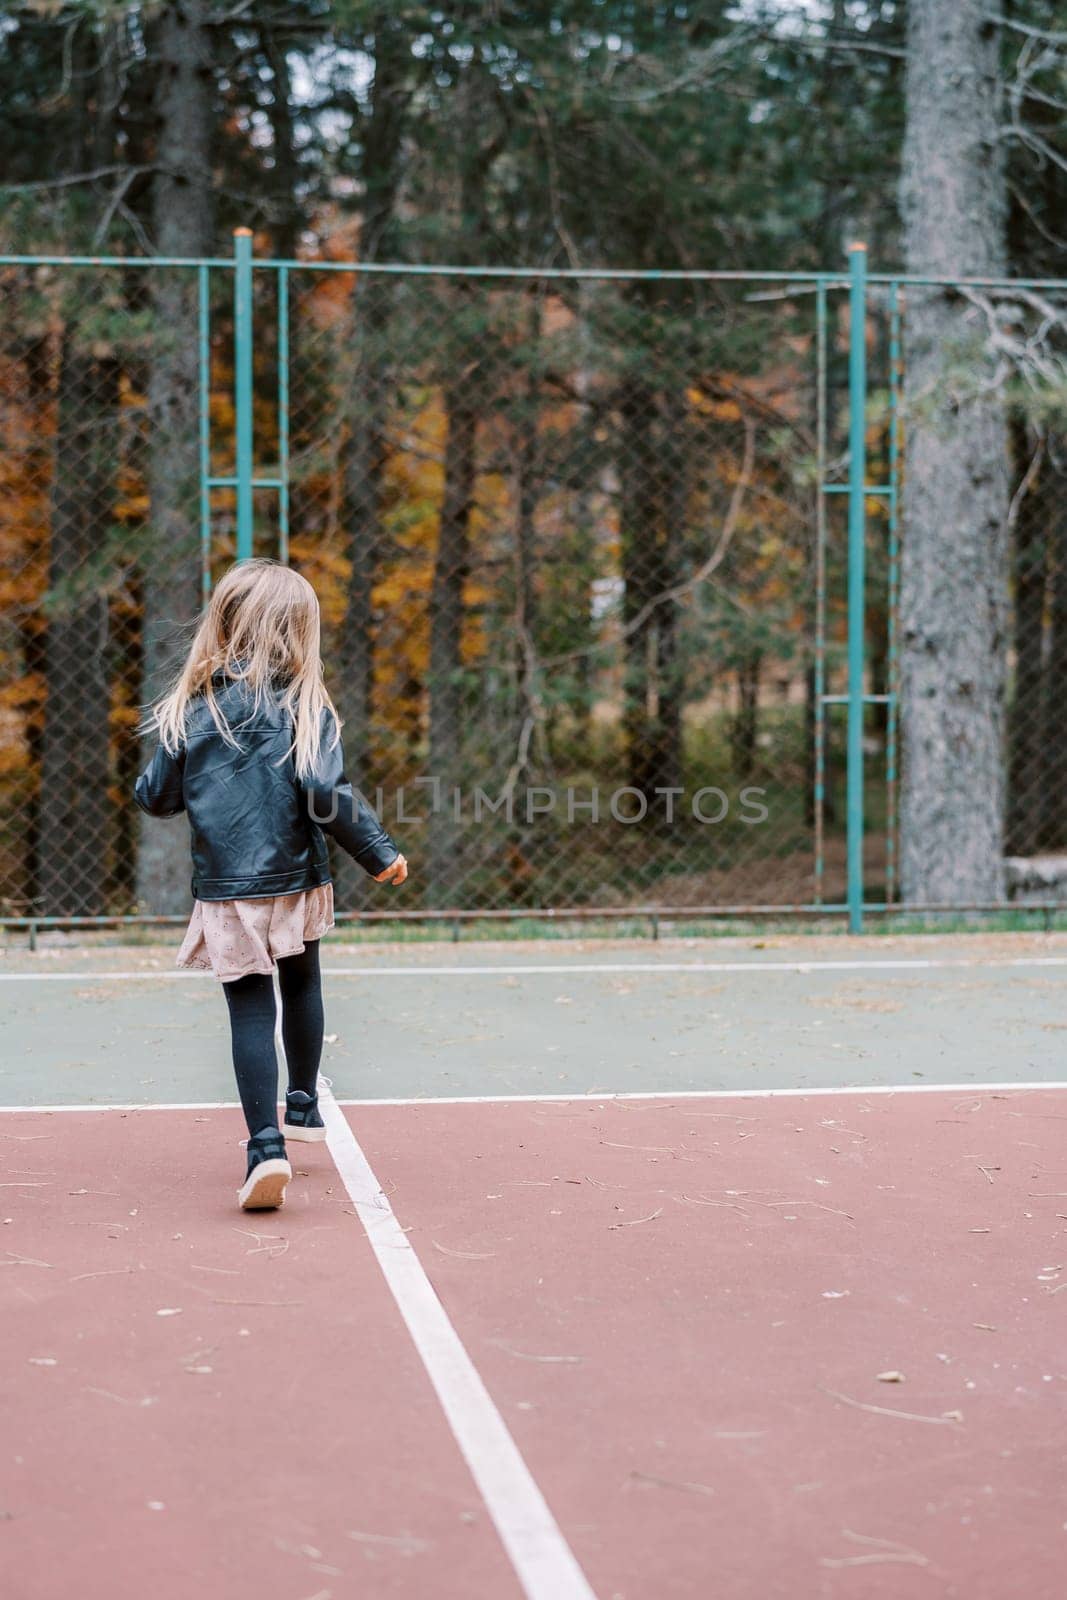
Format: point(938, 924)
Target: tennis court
point(701, 1268)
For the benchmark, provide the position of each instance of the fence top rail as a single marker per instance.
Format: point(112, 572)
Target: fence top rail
point(834, 280)
point(432, 270)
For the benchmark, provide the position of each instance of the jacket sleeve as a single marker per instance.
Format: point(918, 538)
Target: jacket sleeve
point(343, 813)
point(159, 788)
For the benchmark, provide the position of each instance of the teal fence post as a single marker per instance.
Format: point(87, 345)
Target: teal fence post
point(819, 795)
point(242, 313)
point(857, 484)
point(892, 741)
point(283, 415)
point(204, 365)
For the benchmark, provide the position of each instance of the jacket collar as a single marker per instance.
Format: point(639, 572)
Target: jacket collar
point(222, 676)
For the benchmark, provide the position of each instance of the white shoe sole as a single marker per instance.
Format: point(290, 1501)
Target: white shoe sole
point(264, 1189)
point(304, 1135)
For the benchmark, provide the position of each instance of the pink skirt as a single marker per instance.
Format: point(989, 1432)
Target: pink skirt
point(233, 938)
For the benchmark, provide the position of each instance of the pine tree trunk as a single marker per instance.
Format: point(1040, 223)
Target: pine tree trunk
point(367, 415)
point(465, 398)
point(74, 831)
point(651, 474)
point(362, 493)
point(1026, 731)
point(285, 173)
point(446, 636)
point(744, 733)
point(527, 724)
point(183, 227)
point(74, 834)
point(674, 482)
point(528, 493)
point(637, 530)
point(954, 563)
point(1050, 510)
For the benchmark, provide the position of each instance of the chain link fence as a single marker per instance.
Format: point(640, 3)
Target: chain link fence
point(563, 535)
point(580, 554)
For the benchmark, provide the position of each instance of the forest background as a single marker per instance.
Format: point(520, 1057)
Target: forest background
point(569, 533)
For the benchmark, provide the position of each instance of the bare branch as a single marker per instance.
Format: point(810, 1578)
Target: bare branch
point(830, 43)
point(1048, 35)
point(1057, 241)
point(1019, 354)
point(136, 228)
point(73, 178)
point(114, 204)
point(1025, 486)
point(702, 69)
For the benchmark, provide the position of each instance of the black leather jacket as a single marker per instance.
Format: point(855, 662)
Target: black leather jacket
point(257, 830)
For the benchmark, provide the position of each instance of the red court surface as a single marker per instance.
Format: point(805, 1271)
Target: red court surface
point(208, 1402)
point(679, 1308)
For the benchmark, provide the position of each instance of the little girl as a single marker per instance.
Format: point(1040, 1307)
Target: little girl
point(249, 746)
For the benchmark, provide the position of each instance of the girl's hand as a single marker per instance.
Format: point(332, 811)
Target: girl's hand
point(395, 873)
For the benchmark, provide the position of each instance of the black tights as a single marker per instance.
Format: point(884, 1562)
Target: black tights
point(252, 1019)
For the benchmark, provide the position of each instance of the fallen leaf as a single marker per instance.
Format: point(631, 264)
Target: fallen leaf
point(651, 1218)
point(670, 1483)
point(524, 1355)
point(463, 1255)
point(883, 1411)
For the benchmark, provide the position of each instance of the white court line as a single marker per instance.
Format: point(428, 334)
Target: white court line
point(543, 1561)
point(94, 977)
point(592, 1097)
point(138, 1105)
point(595, 1098)
point(568, 969)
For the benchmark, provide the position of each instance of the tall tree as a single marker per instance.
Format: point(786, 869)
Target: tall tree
point(1031, 553)
point(1033, 55)
point(464, 391)
point(74, 826)
point(954, 569)
point(652, 474)
point(75, 820)
point(183, 225)
point(381, 130)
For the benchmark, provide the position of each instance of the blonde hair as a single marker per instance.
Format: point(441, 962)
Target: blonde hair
point(261, 628)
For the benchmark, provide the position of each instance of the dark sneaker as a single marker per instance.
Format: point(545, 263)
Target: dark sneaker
point(268, 1173)
point(302, 1118)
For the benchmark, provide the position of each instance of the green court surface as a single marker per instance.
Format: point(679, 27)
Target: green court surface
point(115, 1024)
